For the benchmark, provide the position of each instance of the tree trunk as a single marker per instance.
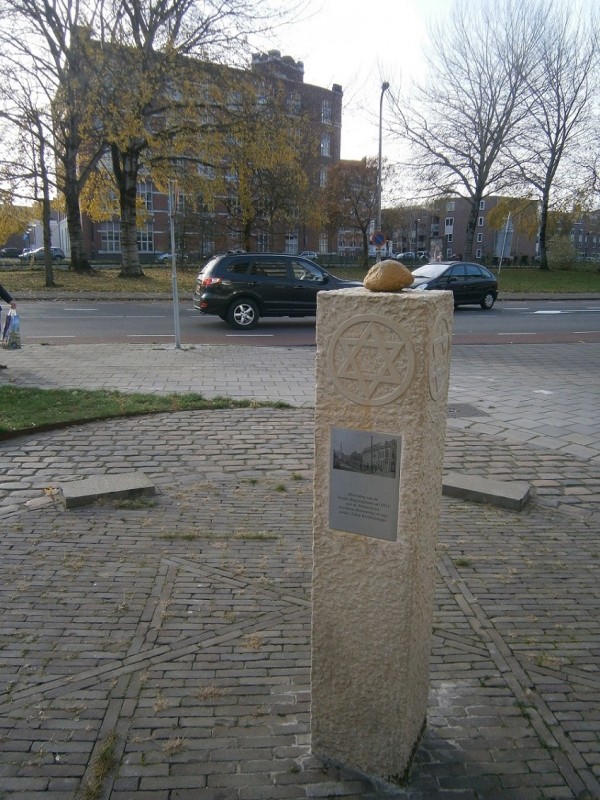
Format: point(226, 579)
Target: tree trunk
point(46, 210)
point(365, 239)
point(126, 166)
point(470, 232)
point(79, 259)
point(542, 234)
point(248, 236)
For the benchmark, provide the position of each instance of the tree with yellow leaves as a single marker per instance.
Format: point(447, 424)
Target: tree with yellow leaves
point(269, 155)
point(155, 105)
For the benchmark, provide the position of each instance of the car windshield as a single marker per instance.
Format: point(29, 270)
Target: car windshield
point(430, 271)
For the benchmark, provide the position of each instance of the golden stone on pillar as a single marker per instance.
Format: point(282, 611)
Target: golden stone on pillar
point(388, 276)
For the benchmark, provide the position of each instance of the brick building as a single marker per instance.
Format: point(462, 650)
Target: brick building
point(200, 232)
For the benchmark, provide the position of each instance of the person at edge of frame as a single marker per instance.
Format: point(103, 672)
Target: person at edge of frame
point(7, 299)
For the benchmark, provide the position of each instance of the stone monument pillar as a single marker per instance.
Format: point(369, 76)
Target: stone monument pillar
point(383, 362)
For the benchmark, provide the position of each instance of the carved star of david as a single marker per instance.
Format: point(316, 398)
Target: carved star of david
point(439, 358)
point(371, 360)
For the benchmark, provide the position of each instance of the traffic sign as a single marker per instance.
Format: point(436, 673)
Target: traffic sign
point(378, 239)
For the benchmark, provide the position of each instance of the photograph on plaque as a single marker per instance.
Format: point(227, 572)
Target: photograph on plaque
point(364, 482)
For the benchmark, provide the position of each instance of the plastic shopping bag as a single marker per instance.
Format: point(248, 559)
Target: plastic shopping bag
point(11, 333)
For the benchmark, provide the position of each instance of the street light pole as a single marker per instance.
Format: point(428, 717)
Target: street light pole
point(384, 87)
point(416, 236)
point(172, 211)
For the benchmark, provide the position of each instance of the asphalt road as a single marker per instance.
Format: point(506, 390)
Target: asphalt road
point(90, 322)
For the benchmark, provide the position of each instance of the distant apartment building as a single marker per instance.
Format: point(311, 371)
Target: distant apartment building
point(201, 231)
point(443, 231)
point(585, 235)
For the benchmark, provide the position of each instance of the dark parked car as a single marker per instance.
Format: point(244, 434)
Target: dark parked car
point(10, 252)
point(470, 283)
point(244, 287)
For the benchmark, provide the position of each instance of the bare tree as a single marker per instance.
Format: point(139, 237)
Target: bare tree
point(350, 197)
point(29, 167)
point(41, 47)
point(465, 117)
point(109, 92)
point(560, 120)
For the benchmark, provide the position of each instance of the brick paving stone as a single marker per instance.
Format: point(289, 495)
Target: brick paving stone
point(183, 626)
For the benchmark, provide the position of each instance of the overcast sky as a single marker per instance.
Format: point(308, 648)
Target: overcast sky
point(358, 44)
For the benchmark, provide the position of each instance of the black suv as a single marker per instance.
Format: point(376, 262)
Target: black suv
point(242, 288)
point(10, 252)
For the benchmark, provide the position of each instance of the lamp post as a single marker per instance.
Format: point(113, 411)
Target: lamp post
point(172, 212)
point(384, 87)
point(416, 236)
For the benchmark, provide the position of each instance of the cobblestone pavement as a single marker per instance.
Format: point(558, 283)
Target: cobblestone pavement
point(160, 649)
point(546, 395)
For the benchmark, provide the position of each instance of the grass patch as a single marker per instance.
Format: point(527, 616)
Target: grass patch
point(133, 503)
point(260, 536)
point(185, 536)
point(581, 279)
point(102, 767)
point(462, 562)
point(154, 280)
point(23, 409)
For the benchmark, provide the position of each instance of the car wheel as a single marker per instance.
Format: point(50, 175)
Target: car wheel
point(488, 301)
point(243, 314)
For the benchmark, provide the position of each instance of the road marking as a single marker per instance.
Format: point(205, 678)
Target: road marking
point(549, 312)
point(52, 336)
point(529, 333)
point(252, 335)
point(80, 309)
point(542, 391)
point(148, 335)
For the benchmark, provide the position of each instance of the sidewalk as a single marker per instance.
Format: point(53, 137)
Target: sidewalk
point(173, 635)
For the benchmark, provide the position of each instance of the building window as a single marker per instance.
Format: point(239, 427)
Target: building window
point(449, 237)
point(480, 237)
point(480, 221)
point(206, 171)
point(450, 205)
point(478, 253)
point(235, 206)
point(449, 223)
point(291, 242)
point(448, 252)
point(262, 242)
point(294, 103)
point(110, 237)
point(325, 144)
point(323, 243)
point(234, 101)
point(326, 111)
point(323, 177)
point(145, 191)
point(482, 205)
point(145, 239)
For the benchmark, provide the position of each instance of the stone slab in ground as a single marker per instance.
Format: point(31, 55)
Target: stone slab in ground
point(128, 484)
point(506, 494)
